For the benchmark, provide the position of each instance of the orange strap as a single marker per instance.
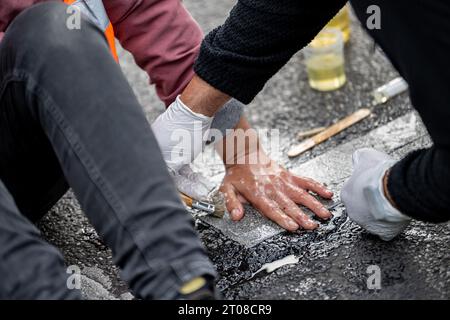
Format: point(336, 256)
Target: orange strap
point(110, 37)
point(109, 34)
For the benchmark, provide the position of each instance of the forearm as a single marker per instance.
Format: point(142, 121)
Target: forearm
point(419, 185)
point(257, 39)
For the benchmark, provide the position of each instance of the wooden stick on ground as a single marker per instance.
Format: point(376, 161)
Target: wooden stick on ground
point(308, 133)
point(329, 132)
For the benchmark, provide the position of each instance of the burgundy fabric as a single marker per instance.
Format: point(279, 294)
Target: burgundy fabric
point(161, 35)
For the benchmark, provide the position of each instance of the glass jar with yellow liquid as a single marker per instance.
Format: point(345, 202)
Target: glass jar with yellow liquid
point(324, 59)
point(341, 21)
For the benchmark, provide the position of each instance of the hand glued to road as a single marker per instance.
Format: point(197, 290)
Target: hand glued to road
point(252, 177)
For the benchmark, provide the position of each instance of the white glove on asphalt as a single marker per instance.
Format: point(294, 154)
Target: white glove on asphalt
point(363, 195)
point(191, 183)
point(181, 134)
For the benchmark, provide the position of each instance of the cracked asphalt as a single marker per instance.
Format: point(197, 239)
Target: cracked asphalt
point(333, 263)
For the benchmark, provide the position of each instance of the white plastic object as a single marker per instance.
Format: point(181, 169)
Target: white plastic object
point(389, 90)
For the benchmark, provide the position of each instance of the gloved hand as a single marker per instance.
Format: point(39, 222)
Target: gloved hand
point(181, 134)
point(364, 197)
point(180, 122)
point(192, 183)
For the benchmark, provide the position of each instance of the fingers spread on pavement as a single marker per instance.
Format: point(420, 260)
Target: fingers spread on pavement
point(314, 186)
point(292, 210)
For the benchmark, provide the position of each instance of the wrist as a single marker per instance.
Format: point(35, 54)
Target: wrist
point(255, 155)
point(202, 98)
point(189, 112)
point(381, 208)
point(386, 190)
point(243, 147)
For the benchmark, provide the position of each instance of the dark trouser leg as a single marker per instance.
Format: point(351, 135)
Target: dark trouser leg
point(28, 164)
point(29, 267)
point(415, 36)
point(78, 95)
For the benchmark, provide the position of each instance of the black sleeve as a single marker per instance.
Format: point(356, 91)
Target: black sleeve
point(256, 40)
point(419, 184)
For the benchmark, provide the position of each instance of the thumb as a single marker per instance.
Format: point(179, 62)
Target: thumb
point(234, 206)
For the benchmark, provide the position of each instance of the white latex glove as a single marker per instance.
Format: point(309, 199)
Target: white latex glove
point(363, 195)
point(181, 134)
point(191, 183)
point(180, 121)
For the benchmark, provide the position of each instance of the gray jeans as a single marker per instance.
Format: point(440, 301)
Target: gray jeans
point(69, 118)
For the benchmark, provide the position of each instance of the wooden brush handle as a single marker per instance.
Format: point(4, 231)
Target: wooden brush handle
point(187, 200)
point(329, 132)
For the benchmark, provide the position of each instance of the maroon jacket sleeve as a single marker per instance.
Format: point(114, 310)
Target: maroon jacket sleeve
point(163, 38)
point(9, 9)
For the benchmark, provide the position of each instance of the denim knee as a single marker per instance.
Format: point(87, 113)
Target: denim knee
point(44, 28)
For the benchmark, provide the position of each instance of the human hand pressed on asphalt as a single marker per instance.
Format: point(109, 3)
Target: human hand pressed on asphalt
point(275, 193)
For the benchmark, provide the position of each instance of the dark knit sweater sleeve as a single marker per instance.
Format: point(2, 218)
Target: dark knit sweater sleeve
point(419, 185)
point(256, 40)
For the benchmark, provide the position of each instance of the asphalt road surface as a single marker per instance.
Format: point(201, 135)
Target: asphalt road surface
point(337, 260)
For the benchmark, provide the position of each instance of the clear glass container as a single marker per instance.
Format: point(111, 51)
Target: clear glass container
point(324, 59)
